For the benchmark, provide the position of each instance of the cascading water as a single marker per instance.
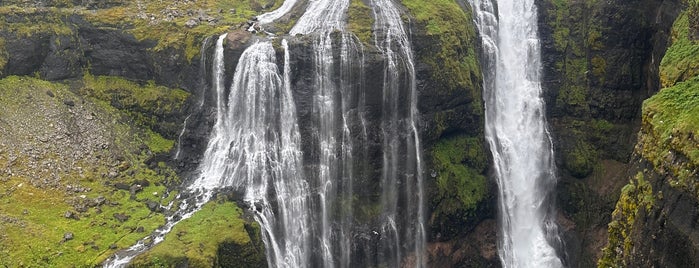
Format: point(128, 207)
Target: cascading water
point(322, 18)
point(306, 202)
point(402, 178)
point(254, 147)
point(517, 133)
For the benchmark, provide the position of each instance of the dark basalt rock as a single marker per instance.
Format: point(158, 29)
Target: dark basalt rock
point(600, 61)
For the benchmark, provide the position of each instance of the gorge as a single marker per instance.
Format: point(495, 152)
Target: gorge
point(348, 133)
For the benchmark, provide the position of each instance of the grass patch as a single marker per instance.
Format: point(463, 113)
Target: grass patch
point(24, 22)
point(32, 213)
point(670, 131)
point(148, 104)
point(681, 60)
point(161, 21)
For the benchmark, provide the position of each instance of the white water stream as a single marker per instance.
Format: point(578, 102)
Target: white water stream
point(517, 132)
point(306, 216)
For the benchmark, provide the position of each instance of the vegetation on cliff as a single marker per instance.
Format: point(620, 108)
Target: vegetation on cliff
point(459, 164)
point(215, 236)
point(668, 142)
point(453, 48)
point(637, 196)
point(681, 61)
point(179, 25)
point(670, 133)
point(360, 21)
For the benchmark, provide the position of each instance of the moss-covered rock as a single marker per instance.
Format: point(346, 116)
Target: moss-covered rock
point(581, 160)
point(462, 188)
point(650, 222)
point(215, 236)
point(681, 61)
point(636, 197)
point(360, 21)
point(150, 105)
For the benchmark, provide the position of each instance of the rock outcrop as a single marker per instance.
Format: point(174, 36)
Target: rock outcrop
point(601, 61)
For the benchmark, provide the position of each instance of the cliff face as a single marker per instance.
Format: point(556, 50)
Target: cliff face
point(601, 61)
point(654, 223)
point(144, 65)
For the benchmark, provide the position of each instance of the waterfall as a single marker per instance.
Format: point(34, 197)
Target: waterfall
point(306, 198)
point(402, 178)
point(322, 19)
point(517, 132)
point(254, 148)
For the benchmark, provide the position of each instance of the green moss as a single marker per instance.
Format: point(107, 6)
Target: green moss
point(25, 22)
point(3, 56)
point(33, 237)
point(172, 33)
point(196, 241)
point(459, 163)
point(670, 131)
point(148, 104)
point(581, 160)
point(146, 20)
point(360, 20)
point(451, 53)
point(561, 33)
point(681, 60)
point(635, 196)
point(158, 144)
point(573, 94)
point(599, 67)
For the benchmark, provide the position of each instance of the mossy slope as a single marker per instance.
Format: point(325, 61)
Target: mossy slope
point(61, 154)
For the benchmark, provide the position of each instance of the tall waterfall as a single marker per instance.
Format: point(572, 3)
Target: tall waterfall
point(402, 178)
point(334, 150)
point(517, 133)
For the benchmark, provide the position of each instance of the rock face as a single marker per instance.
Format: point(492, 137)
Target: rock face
point(601, 61)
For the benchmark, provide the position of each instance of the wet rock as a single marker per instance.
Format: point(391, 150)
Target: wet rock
point(121, 217)
point(113, 246)
point(140, 229)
